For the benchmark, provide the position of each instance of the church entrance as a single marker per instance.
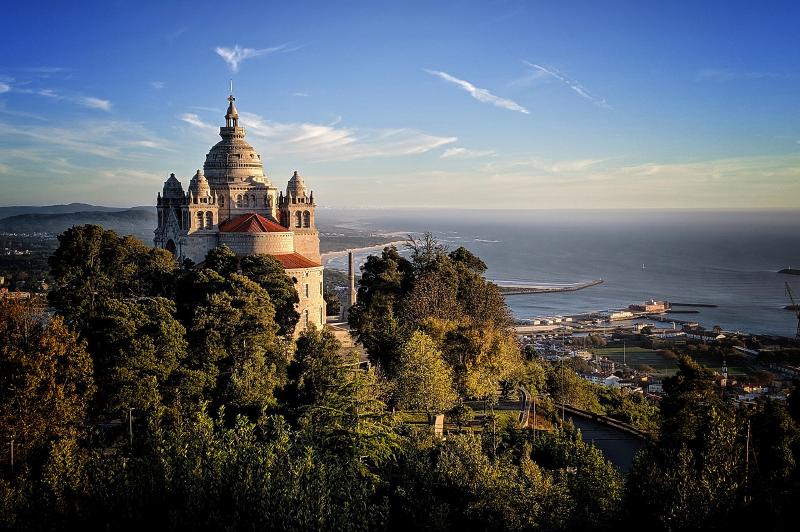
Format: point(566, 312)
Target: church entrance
point(171, 246)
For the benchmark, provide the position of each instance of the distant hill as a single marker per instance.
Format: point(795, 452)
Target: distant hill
point(15, 210)
point(138, 221)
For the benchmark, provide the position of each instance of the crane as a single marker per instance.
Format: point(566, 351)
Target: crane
point(796, 308)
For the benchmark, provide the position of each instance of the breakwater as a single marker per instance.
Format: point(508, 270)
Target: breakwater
point(515, 289)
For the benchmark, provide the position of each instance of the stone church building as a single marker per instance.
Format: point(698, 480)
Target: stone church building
point(233, 202)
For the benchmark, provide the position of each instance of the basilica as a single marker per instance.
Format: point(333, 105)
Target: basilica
point(231, 201)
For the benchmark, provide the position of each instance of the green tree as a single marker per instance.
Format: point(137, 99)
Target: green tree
point(92, 264)
point(222, 260)
point(423, 380)
point(46, 379)
point(270, 274)
point(235, 355)
point(138, 348)
point(316, 371)
point(692, 478)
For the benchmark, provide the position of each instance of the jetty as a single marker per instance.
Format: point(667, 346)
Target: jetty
point(510, 289)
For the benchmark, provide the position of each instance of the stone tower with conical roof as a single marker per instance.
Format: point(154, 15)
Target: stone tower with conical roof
point(297, 212)
point(232, 202)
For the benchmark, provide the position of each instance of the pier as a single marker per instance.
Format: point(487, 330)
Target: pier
point(508, 289)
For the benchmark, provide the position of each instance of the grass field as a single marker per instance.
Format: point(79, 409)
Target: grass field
point(665, 367)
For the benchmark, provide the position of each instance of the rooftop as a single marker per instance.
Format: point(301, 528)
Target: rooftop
point(251, 223)
point(295, 260)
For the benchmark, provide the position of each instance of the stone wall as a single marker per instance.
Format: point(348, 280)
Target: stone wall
point(312, 303)
point(306, 243)
point(258, 243)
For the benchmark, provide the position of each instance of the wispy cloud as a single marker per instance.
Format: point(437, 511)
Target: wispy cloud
point(45, 69)
point(482, 95)
point(91, 102)
point(726, 74)
point(464, 153)
point(4, 87)
point(579, 89)
point(158, 84)
point(300, 94)
point(94, 103)
point(331, 142)
point(107, 139)
point(234, 56)
point(194, 120)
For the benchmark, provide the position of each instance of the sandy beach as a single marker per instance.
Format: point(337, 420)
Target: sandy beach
point(378, 247)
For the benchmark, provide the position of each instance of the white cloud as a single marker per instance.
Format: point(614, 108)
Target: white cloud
point(86, 101)
point(579, 89)
point(464, 153)
point(300, 94)
point(95, 103)
point(194, 120)
point(234, 56)
point(331, 142)
point(482, 95)
point(4, 87)
point(158, 84)
point(108, 139)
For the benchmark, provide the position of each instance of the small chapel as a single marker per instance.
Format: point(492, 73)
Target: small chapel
point(231, 201)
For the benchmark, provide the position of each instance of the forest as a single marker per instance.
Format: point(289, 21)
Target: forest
point(147, 394)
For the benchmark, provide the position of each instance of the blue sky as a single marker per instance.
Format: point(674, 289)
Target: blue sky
point(444, 104)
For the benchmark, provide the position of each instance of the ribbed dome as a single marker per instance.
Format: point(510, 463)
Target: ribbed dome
point(173, 188)
point(199, 185)
point(296, 186)
point(232, 158)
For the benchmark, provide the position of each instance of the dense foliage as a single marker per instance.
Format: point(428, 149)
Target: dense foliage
point(172, 399)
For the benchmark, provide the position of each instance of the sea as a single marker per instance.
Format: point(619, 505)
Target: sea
point(729, 259)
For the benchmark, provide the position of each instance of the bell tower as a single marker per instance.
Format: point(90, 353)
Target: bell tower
point(297, 214)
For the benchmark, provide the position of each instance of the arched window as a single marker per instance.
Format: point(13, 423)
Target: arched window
point(298, 219)
point(306, 219)
point(246, 200)
point(221, 200)
point(253, 200)
point(209, 220)
point(305, 317)
point(239, 200)
point(266, 200)
point(199, 220)
point(306, 289)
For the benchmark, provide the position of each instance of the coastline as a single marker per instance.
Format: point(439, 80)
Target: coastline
point(325, 257)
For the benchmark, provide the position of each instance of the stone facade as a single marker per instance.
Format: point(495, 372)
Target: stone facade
point(233, 202)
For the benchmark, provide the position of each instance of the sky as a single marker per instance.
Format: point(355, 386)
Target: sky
point(492, 104)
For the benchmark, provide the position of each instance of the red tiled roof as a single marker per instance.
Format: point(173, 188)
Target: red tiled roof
point(251, 223)
point(291, 261)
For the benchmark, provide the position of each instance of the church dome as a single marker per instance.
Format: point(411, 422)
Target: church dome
point(296, 186)
point(199, 185)
point(173, 188)
point(233, 158)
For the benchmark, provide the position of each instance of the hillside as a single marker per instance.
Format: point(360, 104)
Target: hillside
point(138, 221)
point(16, 210)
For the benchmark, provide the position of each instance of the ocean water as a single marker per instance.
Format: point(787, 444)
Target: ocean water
point(724, 258)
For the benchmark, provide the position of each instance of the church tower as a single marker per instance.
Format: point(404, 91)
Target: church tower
point(297, 213)
point(231, 201)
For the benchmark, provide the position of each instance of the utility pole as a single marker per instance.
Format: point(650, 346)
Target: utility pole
point(747, 465)
point(130, 424)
